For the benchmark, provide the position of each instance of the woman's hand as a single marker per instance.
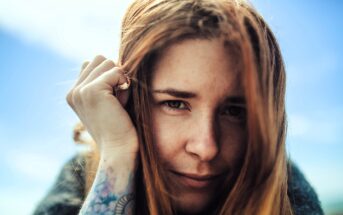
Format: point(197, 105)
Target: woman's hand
point(100, 111)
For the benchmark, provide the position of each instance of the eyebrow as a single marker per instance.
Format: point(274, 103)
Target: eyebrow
point(186, 95)
point(236, 100)
point(177, 93)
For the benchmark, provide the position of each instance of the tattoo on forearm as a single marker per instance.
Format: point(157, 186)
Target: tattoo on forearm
point(105, 200)
point(124, 204)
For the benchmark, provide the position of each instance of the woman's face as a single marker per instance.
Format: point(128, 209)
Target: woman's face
point(198, 120)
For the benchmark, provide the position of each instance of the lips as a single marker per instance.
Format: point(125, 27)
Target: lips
point(197, 181)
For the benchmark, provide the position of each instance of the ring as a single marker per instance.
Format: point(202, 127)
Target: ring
point(126, 85)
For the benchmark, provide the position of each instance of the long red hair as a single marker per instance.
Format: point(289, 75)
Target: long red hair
point(151, 25)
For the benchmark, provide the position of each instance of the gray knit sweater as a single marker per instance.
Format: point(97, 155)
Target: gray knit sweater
point(67, 194)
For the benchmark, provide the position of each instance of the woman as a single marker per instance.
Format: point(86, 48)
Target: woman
point(191, 120)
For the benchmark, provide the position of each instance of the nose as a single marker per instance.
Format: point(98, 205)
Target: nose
point(203, 142)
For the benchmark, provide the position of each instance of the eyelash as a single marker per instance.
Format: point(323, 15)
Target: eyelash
point(240, 116)
point(167, 104)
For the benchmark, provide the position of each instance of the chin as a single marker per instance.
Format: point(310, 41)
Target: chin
point(193, 204)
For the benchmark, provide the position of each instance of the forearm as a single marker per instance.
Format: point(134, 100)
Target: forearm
point(112, 189)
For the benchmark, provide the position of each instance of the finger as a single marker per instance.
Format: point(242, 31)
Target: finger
point(123, 93)
point(96, 72)
point(111, 80)
point(84, 73)
point(84, 65)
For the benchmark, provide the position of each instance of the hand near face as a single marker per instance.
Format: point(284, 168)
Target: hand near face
point(102, 113)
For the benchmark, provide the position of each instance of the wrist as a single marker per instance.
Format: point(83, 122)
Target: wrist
point(120, 158)
point(119, 148)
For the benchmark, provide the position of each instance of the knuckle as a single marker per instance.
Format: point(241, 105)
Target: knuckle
point(109, 62)
point(87, 96)
point(84, 64)
point(117, 71)
point(85, 92)
point(72, 97)
point(98, 58)
point(113, 74)
point(69, 98)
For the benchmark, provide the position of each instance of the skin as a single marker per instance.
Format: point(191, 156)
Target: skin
point(198, 115)
point(112, 190)
point(202, 131)
point(93, 101)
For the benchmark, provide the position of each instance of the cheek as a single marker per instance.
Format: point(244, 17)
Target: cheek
point(166, 135)
point(233, 144)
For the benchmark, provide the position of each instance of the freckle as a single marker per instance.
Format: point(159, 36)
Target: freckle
point(110, 170)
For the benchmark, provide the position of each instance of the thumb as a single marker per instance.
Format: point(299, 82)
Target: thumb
point(123, 96)
point(122, 91)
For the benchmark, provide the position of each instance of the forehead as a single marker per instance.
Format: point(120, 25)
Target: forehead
point(198, 65)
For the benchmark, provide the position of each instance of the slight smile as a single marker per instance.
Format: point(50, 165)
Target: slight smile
point(196, 181)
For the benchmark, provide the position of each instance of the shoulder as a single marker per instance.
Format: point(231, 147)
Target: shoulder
point(67, 193)
point(303, 197)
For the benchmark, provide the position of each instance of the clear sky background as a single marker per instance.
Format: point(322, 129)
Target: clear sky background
point(44, 42)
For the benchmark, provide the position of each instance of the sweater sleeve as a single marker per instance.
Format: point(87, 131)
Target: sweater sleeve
point(67, 194)
point(303, 198)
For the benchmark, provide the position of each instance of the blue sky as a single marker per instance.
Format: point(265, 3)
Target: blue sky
point(43, 43)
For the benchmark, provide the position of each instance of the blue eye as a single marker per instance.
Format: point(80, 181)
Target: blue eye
point(175, 105)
